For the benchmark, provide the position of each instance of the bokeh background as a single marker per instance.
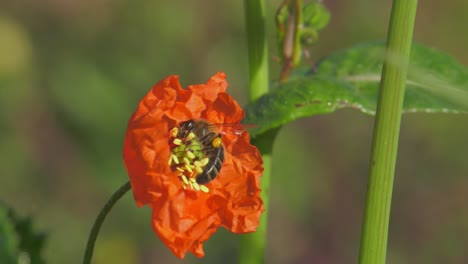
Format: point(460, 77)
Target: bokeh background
point(72, 72)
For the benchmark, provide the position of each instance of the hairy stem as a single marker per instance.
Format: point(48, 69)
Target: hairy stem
point(386, 131)
point(252, 245)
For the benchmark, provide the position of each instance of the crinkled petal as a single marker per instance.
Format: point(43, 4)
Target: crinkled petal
point(224, 110)
point(215, 85)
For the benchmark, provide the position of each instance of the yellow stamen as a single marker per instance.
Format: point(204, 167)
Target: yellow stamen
point(190, 155)
point(177, 141)
point(188, 167)
point(204, 161)
point(204, 189)
point(184, 186)
point(193, 173)
point(174, 131)
point(196, 186)
point(175, 158)
point(193, 179)
point(185, 179)
point(180, 169)
point(186, 161)
point(198, 169)
point(190, 136)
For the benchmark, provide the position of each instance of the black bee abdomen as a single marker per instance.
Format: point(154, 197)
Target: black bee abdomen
point(212, 169)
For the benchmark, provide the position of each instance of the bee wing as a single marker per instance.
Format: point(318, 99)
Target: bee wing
point(236, 129)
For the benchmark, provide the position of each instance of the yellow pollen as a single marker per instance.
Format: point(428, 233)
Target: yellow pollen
point(186, 161)
point(190, 136)
point(198, 169)
point(185, 179)
point(190, 155)
point(188, 167)
point(204, 189)
point(174, 132)
point(204, 161)
point(217, 142)
point(180, 169)
point(191, 183)
point(177, 141)
point(176, 160)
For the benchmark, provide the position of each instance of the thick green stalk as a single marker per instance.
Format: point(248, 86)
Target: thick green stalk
point(257, 48)
point(386, 131)
point(100, 219)
point(252, 246)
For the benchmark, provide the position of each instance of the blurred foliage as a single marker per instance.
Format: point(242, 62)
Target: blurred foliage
point(19, 243)
point(72, 72)
point(313, 18)
point(8, 240)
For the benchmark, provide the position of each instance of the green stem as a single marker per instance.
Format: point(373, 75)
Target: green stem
point(386, 131)
point(298, 27)
point(257, 48)
point(292, 47)
point(100, 219)
point(252, 246)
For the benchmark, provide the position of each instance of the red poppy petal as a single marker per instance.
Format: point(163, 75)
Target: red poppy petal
point(224, 110)
point(162, 95)
point(215, 85)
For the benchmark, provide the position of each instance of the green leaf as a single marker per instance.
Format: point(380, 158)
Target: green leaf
point(350, 79)
point(30, 242)
point(8, 240)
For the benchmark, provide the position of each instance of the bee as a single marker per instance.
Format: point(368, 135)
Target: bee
point(198, 151)
point(211, 146)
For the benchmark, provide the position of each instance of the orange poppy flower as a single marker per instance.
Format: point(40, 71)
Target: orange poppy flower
point(163, 174)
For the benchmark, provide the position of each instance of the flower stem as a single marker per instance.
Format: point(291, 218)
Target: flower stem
point(100, 219)
point(252, 245)
point(386, 131)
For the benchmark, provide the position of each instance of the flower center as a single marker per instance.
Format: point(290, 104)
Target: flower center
point(187, 159)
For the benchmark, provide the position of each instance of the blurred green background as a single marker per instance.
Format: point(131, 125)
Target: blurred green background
point(72, 72)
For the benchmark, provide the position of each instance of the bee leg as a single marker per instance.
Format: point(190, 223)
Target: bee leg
point(207, 139)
